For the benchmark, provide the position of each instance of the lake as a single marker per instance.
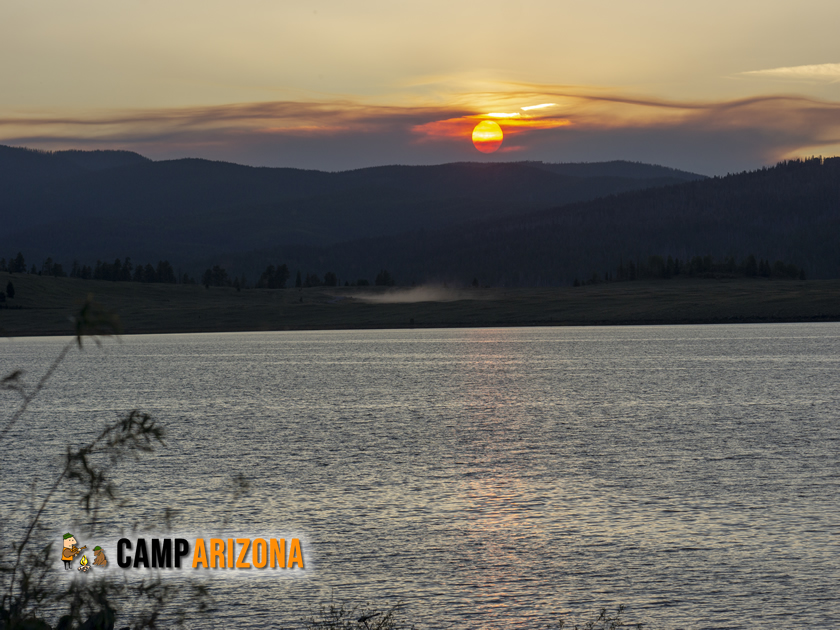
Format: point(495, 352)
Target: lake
point(488, 478)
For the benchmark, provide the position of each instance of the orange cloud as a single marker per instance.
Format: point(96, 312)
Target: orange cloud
point(553, 123)
point(462, 127)
point(814, 121)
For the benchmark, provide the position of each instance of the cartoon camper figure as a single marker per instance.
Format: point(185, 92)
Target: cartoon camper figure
point(99, 559)
point(70, 550)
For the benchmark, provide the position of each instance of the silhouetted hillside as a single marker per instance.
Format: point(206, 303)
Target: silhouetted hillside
point(106, 204)
point(790, 212)
point(525, 223)
point(616, 168)
point(101, 160)
point(41, 167)
point(23, 172)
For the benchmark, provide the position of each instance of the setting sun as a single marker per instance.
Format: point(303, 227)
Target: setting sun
point(487, 136)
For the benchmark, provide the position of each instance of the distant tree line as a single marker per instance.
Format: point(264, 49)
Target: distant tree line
point(217, 276)
point(124, 271)
point(16, 264)
point(274, 277)
point(118, 271)
point(659, 267)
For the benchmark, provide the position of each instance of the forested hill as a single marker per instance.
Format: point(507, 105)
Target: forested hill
point(790, 212)
point(22, 169)
point(516, 224)
point(107, 204)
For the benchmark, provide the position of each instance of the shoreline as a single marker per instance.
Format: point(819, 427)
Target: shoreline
point(43, 305)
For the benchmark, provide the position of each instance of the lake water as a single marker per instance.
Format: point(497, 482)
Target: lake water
point(488, 478)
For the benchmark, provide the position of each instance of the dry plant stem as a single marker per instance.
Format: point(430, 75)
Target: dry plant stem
point(130, 435)
point(10, 383)
point(127, 426)
point(92, 321)
point(32, 525)
point(24, 600)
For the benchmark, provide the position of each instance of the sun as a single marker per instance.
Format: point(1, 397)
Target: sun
point(487, 136)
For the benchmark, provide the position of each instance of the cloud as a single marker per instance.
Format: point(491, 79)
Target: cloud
point(541, 106)
point(818, 72)
point(462, 127)
point(287, 117)
point(581, 125)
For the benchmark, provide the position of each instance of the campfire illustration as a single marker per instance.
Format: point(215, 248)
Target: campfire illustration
point(84, 567)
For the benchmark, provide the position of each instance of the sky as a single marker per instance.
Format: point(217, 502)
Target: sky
point(712, 87)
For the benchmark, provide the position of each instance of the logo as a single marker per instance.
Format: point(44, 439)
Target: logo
point(181, 553)
point(70, 550)
point(214, 553)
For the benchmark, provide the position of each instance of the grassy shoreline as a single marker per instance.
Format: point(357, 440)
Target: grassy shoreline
point(43, 305)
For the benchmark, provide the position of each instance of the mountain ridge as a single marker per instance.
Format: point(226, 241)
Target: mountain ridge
point(789, 212)
point(91, 205)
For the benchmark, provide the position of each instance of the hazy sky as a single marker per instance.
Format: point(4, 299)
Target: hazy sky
point(713, 87)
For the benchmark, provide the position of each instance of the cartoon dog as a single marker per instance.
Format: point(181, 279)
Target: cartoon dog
point(99, 557)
